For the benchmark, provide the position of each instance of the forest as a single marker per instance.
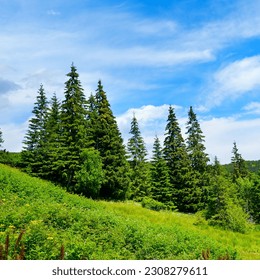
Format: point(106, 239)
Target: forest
point(76, 144)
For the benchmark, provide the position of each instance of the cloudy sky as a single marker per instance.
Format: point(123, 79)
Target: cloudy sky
point(148, 54)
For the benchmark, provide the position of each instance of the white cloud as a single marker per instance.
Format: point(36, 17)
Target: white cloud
point(53, 13)
point(253, 108)
point(13, 135)
point(233, 81)
point(220, 133)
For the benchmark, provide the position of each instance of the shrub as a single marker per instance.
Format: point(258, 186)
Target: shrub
point(150, 203)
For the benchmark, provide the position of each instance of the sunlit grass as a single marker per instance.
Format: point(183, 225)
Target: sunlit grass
point(107, 230)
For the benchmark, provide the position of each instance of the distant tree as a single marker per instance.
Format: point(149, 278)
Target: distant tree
point(137, 154)
point(35, 139)
point(178, 163)
point(74, 129)
point(160, 179)
point(1, 138)
point(108, 141)
point(238, 164)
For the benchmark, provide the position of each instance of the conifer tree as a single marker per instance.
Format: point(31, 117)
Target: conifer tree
point(108, 141)
point(137, 153)
point(178, 163)
point(1, 138)
point(73, 128)
point(160, 180)
point(195, 143)
point(53, 144)
point(238, 164)
point(198, 159)
point(35, 139)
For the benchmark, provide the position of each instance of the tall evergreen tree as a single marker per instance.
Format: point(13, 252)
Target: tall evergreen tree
point(35, 139)
point(195, 143)
point(177, 160)
point(53, 145)
point(198, 159)
point(108, 141)
point(1, 138)
point(137, 153)
point(160, 179)
point(73, 129)
point(238, 164)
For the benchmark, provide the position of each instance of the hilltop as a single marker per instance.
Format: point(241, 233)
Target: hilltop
point(43, 221)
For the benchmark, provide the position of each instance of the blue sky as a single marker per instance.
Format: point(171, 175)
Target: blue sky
point(148, 54)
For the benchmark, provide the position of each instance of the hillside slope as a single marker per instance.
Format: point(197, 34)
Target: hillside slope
point(48, 219)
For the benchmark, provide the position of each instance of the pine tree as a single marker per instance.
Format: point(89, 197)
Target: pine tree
point(238, 164)
point(195, 143)
point(198, 159)
point(137, 154)
point(73, 129)
point(178, 163)
point(33, 152)
point(53, 145)
point(1, 138)
point(160, 180)
point(108, 141)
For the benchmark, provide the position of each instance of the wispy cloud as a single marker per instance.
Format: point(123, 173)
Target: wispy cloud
point(253, 108)
point(53, 13)
point(233, 81)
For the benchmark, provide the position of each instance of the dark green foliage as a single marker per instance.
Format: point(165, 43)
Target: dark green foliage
point(223, 208)
point(73, 129)
point(108, 141)
point(140, 181)
point(195, 143)
point(161, 189)
point(33, 154)
point(1, 138)
point(178, 162)
point(254, 198)
point(150, 203)
point(198, 160)
point(238, 163)
point(53, 147)
point(9, 158)
point(90, 176)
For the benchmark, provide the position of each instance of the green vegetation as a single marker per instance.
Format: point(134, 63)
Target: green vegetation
point(43, 221)
point(77, 145)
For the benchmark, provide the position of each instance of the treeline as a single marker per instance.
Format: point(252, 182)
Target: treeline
point(77, 143)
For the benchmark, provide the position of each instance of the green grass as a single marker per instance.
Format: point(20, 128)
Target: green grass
point(91, 229)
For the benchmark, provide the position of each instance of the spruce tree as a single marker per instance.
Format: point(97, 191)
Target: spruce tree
point(73, 128)
point(1, 138)
point(160, 179)
point(238, 164)
point(108, 141)
point(53, 145)
point(137, 155)
point(178, 163)
point(195, 143)
point(33, 153)
point(198, 159)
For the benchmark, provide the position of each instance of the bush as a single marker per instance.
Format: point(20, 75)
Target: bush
point(231, 217)
point(150, 203)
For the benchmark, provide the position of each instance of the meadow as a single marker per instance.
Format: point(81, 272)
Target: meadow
point(41, 221)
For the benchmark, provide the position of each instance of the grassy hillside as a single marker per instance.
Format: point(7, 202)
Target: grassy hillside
point(47, 219)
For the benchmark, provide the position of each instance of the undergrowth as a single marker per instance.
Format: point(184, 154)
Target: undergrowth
point(51, 224)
